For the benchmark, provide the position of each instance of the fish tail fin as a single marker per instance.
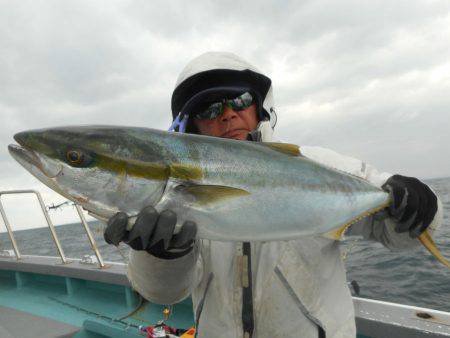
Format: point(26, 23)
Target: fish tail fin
point(429, 244)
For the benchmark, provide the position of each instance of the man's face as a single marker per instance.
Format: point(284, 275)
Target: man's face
point(231, 124)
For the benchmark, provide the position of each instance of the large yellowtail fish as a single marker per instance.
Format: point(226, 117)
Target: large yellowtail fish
point(233, 190)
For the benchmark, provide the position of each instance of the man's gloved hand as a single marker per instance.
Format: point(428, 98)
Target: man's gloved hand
point(413, 204)
point(152, 232)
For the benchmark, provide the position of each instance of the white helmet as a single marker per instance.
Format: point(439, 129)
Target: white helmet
point(215, 74)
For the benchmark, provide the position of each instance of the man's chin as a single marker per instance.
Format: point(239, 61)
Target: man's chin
point(240, 134)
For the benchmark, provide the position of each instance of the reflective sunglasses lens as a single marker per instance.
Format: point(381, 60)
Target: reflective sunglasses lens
point(211, 112)
point(216, 109)
point(241, 102)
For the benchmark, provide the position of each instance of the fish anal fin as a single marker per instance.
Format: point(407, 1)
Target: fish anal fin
point(429, 244)
point(286, 148)
point(207, 194)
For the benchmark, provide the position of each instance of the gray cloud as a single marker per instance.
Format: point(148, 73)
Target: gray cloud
point(369, 79)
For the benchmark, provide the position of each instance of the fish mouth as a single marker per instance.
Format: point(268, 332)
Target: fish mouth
point(29, 159)
point(23, 155)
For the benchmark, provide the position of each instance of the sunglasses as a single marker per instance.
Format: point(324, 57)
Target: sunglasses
point(239, 103)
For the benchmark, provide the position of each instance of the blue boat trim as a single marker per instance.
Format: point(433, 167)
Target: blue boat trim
point(90, 300)
point(88, 304)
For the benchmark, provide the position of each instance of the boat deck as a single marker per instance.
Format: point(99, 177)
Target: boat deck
point(98, 302)
point(41, 297)
point(19, 324)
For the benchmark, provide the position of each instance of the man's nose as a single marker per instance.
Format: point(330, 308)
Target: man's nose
point(228, 114)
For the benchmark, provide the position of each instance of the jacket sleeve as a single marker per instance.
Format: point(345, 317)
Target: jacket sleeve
point(164, 281)
point(379, 227)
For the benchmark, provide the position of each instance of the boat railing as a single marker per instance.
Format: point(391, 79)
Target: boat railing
point(50, 226)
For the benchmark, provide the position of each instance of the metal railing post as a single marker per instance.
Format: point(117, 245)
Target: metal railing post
point(90, 237)
point(10, 233)
point(47, 218)
point(51, 227)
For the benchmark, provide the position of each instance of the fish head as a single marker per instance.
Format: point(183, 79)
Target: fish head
point(103, 169)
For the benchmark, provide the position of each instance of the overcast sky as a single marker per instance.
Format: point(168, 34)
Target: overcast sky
point(370, 79)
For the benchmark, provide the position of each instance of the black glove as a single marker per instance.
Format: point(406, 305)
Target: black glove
point(152, 232)
point(413, 204)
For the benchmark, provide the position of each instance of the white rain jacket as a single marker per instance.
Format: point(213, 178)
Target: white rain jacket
point(299, 287)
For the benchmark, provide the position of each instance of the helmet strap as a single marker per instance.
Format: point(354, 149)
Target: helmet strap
point(180, 122)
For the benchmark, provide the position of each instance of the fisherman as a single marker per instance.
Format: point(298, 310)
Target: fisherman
point(291, 288)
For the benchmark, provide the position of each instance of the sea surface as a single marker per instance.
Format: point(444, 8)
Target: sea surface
point(410, 277)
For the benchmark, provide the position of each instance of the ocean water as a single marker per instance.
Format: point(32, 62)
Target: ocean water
point(410, 277)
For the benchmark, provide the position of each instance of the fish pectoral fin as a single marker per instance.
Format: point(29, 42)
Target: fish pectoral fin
point(427, 241)
point(285, 148)
point(336, 234)
point(206, 194)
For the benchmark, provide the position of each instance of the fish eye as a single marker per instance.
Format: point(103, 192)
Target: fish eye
point(77, 158)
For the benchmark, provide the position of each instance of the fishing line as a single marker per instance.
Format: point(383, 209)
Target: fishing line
point(98, 315)
point(136, 309)
point(121, 253)
point(345, 254)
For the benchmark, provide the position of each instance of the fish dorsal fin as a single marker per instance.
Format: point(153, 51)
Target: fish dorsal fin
point(285, 148)
point(206, 194)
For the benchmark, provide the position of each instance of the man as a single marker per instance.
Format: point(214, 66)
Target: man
point(264, 289)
